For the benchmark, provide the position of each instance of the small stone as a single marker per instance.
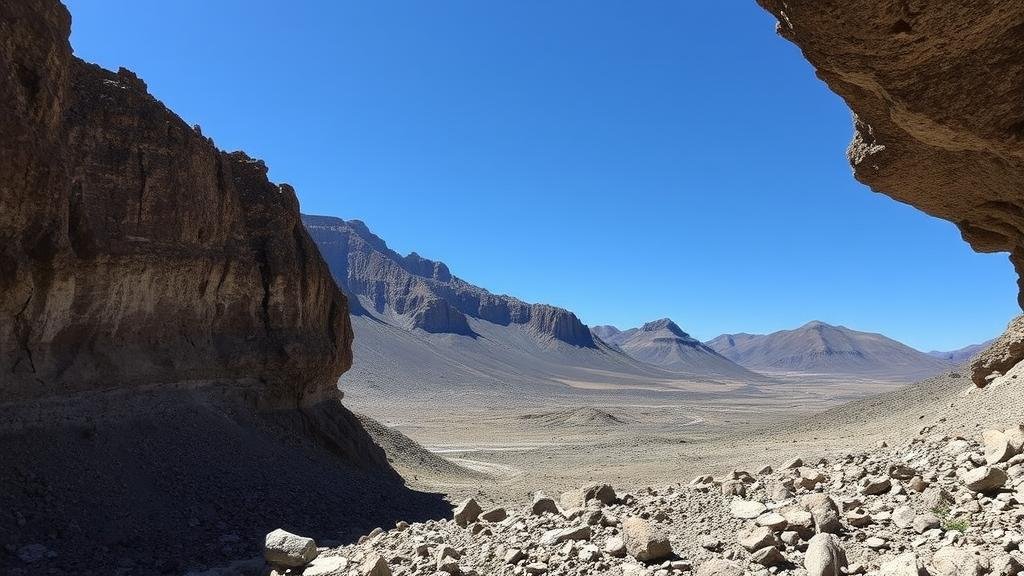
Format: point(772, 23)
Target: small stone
point(876, 485)
point(559, 535)
point(615, 547)
point(589, 553)
point(536, 568)
point(768, 556)
point(902, 565)
point(858, 518)
point(876, 543)
point(792, 464)
point(746, 509)
point(720, 567)
point(494, 515)
point(925, 522)
point(514, 556)
point(774, 520)
point(374, 565)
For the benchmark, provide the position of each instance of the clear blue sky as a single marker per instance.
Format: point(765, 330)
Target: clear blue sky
point(625, 160)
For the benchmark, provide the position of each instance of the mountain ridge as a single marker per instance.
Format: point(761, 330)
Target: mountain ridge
point(819, 347)
point(423, 293)
point(664, 344)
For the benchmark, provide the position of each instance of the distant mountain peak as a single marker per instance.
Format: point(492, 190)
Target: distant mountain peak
point(664, 324)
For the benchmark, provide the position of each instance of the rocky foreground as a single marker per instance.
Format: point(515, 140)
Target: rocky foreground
point(938, 505)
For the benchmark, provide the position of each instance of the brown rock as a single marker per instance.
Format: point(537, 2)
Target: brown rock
point(924, 134)
point(134, 252)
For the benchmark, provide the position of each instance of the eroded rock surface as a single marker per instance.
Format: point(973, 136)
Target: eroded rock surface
point(424, 293)
point(935, 90)
point(134, 252)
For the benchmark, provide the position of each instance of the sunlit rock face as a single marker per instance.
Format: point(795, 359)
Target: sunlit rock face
point(134, 252)
point(937, 91)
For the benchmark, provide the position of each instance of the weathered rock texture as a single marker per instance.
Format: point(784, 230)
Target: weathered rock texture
point(424, 292)
point(936, 92)
point(134, 252)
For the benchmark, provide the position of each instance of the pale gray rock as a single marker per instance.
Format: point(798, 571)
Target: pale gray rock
point(825, 556)
point(287, 550)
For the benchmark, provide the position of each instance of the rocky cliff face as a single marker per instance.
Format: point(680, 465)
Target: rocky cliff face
point(423, 291)
point(935, 88)
point(134, 252)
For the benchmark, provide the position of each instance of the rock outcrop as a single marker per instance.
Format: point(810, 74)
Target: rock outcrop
point(170, 337)
point(134, 252)
point(935, 90)
point(423, 292)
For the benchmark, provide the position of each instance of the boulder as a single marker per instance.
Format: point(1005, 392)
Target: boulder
point(984, 479)
point(542, 504)
point(824, 511)
point(287, 550)
point(997, 446)
point(825, 556)
point(1015, 438)
point(756, 538)
point(952, 561)
point(645, 542)
point(467, 512)
point(768, 556)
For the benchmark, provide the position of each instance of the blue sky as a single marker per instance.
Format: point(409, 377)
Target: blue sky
point(625, 160)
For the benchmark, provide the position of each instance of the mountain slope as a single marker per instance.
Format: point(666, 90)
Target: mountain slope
point(820, 348)
point(963, 354)
point(427, 337)
point(418, 293)
point(664, 344)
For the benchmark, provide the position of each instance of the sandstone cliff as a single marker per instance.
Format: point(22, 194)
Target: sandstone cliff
point(424, 292)
point(935, 88)
point(134, 252)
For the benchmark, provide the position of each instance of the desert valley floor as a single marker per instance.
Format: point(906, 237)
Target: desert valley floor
point(501, 450)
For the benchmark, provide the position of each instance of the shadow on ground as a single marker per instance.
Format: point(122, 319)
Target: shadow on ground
point(161, 484)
